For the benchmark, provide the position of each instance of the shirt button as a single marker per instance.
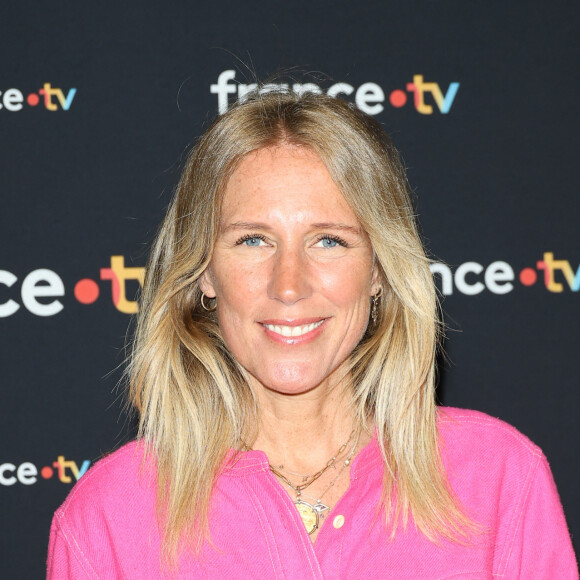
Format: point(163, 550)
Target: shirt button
point(338, 522)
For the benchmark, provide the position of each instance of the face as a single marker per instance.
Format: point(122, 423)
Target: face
point(292, 271)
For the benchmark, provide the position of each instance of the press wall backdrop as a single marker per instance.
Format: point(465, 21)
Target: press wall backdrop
point(99, 101)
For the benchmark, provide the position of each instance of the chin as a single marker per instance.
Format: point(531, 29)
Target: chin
point(291, 380)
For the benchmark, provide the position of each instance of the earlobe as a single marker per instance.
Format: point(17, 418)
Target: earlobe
point(377, 292)
point(376, 283)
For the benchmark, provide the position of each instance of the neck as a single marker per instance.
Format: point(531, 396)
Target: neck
point(302, 432)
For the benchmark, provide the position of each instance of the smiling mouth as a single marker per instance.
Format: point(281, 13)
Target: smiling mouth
point(293, 331)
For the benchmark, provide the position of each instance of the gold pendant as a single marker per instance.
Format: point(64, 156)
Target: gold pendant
point(308, 514)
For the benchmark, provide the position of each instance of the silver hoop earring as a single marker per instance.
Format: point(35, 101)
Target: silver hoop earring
point(203, 296)
point(374, 308)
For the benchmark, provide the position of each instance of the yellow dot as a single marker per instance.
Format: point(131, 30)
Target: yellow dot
point(338, 522)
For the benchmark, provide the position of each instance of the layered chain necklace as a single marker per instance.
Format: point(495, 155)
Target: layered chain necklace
point(309, 513)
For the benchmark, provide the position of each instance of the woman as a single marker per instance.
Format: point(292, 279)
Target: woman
point(283, 371)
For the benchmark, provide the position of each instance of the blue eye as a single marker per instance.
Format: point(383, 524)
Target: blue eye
point(329, 243)
point(252, 241)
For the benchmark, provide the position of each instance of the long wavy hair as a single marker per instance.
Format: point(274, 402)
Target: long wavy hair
point(193, 398)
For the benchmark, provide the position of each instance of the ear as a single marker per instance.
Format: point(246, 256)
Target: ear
point(376, 282)
point(206, 284)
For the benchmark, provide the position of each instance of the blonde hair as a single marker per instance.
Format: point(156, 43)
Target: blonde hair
point(192, 396)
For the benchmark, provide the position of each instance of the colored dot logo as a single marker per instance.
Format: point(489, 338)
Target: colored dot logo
point(398, 98)
point(528, 276)
point(86, 291)
point(47, 472)
point(33, 99)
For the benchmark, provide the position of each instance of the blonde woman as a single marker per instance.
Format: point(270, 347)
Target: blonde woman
point(283, 371)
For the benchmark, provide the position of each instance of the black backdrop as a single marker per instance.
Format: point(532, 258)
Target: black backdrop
point(493, 165)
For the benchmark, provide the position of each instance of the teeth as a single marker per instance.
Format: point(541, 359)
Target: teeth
point(292, 331)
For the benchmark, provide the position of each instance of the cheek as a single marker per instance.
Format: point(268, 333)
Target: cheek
point(233, 321)
point(347, 286)
point(237, 291)
point(234, 284)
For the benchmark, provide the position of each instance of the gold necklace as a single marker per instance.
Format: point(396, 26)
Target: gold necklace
point(318, 505)
point(310, 514)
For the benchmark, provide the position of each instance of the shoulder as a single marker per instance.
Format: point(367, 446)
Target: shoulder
point(98, 530)
point(114, 483)
point(504, 482)
point(485, 457)
point(467, 429)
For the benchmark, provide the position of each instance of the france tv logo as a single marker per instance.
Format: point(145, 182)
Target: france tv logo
point(369, 97)
point(49, 97)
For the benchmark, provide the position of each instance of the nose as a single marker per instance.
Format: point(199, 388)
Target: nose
point(290, 278)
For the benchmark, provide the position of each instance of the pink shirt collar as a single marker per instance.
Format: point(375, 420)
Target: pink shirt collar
point(244, 463)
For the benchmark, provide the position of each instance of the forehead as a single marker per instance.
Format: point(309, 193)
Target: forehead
point(283, 182)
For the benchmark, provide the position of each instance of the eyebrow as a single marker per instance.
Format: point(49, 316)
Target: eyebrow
point(246, 226)
point(337, 226)
point(320, 226)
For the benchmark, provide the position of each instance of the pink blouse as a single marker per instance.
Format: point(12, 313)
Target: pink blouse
point(107, 526)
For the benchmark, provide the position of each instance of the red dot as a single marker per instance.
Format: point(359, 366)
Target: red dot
point(528, 276)
point(46, 472)
point(32, 99)
point(398, 98)
point(86, 291)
